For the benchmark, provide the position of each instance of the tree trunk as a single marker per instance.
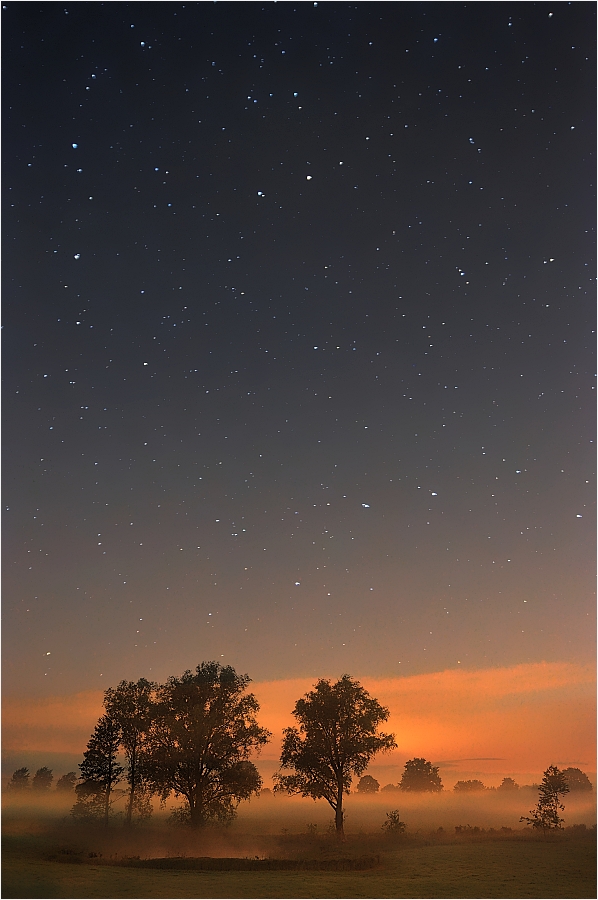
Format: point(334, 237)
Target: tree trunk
point(129, 812)
point(107, 804)
point(339, 815)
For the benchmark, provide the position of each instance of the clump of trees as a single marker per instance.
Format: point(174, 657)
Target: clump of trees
point(470, 786)
point(191, 737)
point(420, 775)
point(546, 814)
point(335, 738)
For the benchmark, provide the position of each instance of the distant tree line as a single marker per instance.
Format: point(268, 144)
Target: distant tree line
point(41, 782)
point(193, 736)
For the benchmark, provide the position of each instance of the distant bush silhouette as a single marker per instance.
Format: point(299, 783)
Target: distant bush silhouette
point(390, 787)
point(469, 786)
point(368, 785)
point(508, 784)
point(42, 780)
point(66, 782)
point(19, 780)
point(420, 775)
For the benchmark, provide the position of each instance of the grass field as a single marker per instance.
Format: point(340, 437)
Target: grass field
point(46, 857)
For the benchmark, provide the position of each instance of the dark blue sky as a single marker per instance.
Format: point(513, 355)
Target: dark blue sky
point(298, 338)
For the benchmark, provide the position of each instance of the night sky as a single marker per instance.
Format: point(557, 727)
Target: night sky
point(298, 339)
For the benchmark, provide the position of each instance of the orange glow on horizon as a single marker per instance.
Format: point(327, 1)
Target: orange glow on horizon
point(527, 716)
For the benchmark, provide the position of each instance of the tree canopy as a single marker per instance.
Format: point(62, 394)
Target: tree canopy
point(336, 739)
point(42, 780)
point(420, 775)
point(202, 733)
point(368, 785)
point(66, 782)
point(19, 780)
point(508, 784)
point(577, 780)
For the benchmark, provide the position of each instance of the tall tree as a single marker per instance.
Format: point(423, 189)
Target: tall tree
point(100, 770)
point(42, 780)
point(336, 739)
point(129, 705)
point(546, 814)
point(420, 775)
point(19, 780)
point(204, 730)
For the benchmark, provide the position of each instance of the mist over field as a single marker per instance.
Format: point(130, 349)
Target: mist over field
point(273, 814)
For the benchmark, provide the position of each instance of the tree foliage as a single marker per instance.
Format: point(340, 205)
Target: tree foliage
point(508, 784)
point(368, 785)
point(577, 780)
point(336, 739)
point(546, 814)
point(19, 780)
point(100, 772)
point(42, 780)
point(469, 786)
point(66, 782)
point(393, 824)
point(420, 775)
point(129, 706)
point(202, 733)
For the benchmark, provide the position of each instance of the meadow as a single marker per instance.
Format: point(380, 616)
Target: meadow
point(46, 854)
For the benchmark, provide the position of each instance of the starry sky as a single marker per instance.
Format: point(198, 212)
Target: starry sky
point(298, 339)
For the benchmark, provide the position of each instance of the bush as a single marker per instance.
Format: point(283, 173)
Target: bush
point(393, 824)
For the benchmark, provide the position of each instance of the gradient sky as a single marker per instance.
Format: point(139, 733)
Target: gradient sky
point(298, 339)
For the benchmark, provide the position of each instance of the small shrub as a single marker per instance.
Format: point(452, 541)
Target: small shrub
point(393, 824)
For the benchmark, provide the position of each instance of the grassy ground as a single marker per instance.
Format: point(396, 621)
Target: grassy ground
point(510, 865)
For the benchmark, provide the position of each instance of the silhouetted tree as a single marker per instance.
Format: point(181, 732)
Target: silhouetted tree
point(420, 775)
point(66, 782)
point(508, 784)
point(202, 734)
point(336, 739)
point(393, 824)
point(129, 705)
point(368, 785)
point(100, 771)
point(546, 814)
point(389, 787)
point(468, 786)
point(42, 780)
point(19, 780)
point(577, 780)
